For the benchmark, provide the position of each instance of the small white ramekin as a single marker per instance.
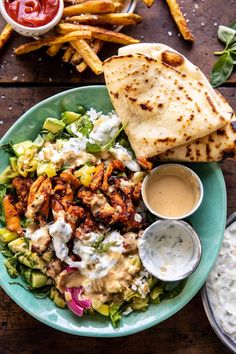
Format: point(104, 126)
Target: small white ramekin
point(190, 173)
point(32, 31)
point(150, 261)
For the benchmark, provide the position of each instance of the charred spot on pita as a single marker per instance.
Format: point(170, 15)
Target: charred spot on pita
point(172, 59)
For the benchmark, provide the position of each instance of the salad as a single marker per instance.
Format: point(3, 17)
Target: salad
point(72, 215)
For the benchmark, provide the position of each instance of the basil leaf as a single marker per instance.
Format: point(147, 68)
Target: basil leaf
point(226, 35)
point(222, 70)
point(232, 48)
point(92, 148)
point(233, 56)
point(233, 25)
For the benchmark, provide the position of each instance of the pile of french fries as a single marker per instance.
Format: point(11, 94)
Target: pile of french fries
point(86, 25)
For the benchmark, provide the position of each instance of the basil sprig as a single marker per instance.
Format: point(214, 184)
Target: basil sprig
point(224, 65)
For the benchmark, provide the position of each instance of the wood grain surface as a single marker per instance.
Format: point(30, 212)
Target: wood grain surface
point(157, 26)
point(26, 80)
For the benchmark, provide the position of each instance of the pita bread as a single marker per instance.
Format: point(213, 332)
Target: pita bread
point(214, 147)
point(161, 106)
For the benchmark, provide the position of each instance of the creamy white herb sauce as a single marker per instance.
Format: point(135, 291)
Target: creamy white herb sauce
point(168, 251)
point(93, 264)
point(105, 128)
point(221, 284)
point(61, 233)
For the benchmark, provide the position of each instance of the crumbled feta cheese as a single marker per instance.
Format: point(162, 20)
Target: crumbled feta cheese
point(93, 114)
point(137, 217)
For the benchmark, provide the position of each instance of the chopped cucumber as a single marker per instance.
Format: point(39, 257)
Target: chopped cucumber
point(31, 260)
point(7, 236)
point(38, 279)
point(155, 293)
point(10, 265)
point(104, 310)
point(27, 273)
point(7, 175)
point(46, 168)
point(70, 117)
point(53, 125)
point(13, 163)
point(18, 245)
point(20, 148)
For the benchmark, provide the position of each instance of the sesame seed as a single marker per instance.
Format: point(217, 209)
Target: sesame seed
point(169, 33)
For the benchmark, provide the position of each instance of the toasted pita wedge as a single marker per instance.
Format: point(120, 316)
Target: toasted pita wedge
point(160, 106)
point(214, 147)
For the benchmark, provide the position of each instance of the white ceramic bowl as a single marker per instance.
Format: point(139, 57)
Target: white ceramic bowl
point(164, 268)
point(32, 31)
point(188, 172)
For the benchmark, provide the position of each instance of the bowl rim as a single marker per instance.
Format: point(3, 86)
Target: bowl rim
point(33, 30)
point(125, 331)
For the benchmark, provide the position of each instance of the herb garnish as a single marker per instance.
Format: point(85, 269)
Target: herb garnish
point(93, 147)
point(224, 65)
point(8, 148)
point(102, 247)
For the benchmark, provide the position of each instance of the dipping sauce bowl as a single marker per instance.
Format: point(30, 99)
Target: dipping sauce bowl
point(172, 191)
point(170, 250)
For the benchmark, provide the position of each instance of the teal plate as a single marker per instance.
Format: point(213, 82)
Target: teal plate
point(209, 222)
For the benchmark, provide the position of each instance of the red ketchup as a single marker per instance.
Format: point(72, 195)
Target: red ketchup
point(32, 13)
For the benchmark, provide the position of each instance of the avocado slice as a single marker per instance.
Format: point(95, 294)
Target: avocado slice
point(20, 148)
point(18, 245)
point(7, 236)
point(70, 117)
point(53, 125)
point(38, 279)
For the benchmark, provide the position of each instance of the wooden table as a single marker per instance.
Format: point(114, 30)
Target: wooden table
point(27, 80)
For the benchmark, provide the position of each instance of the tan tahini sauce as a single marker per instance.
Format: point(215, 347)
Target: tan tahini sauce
point(172, 192)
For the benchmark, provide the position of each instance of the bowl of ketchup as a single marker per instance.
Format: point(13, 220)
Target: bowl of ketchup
point(32, 17)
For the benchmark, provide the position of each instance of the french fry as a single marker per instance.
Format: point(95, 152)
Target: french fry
point(54, 49)
point(5, 35)
point(31, 46)
point(180, 20)
point(88, 55)
point(91, 6)
point(118, 19)
point(75, 59)
point(68, 54)
point(98, 33)
point(149, 3)
point(96, 46)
